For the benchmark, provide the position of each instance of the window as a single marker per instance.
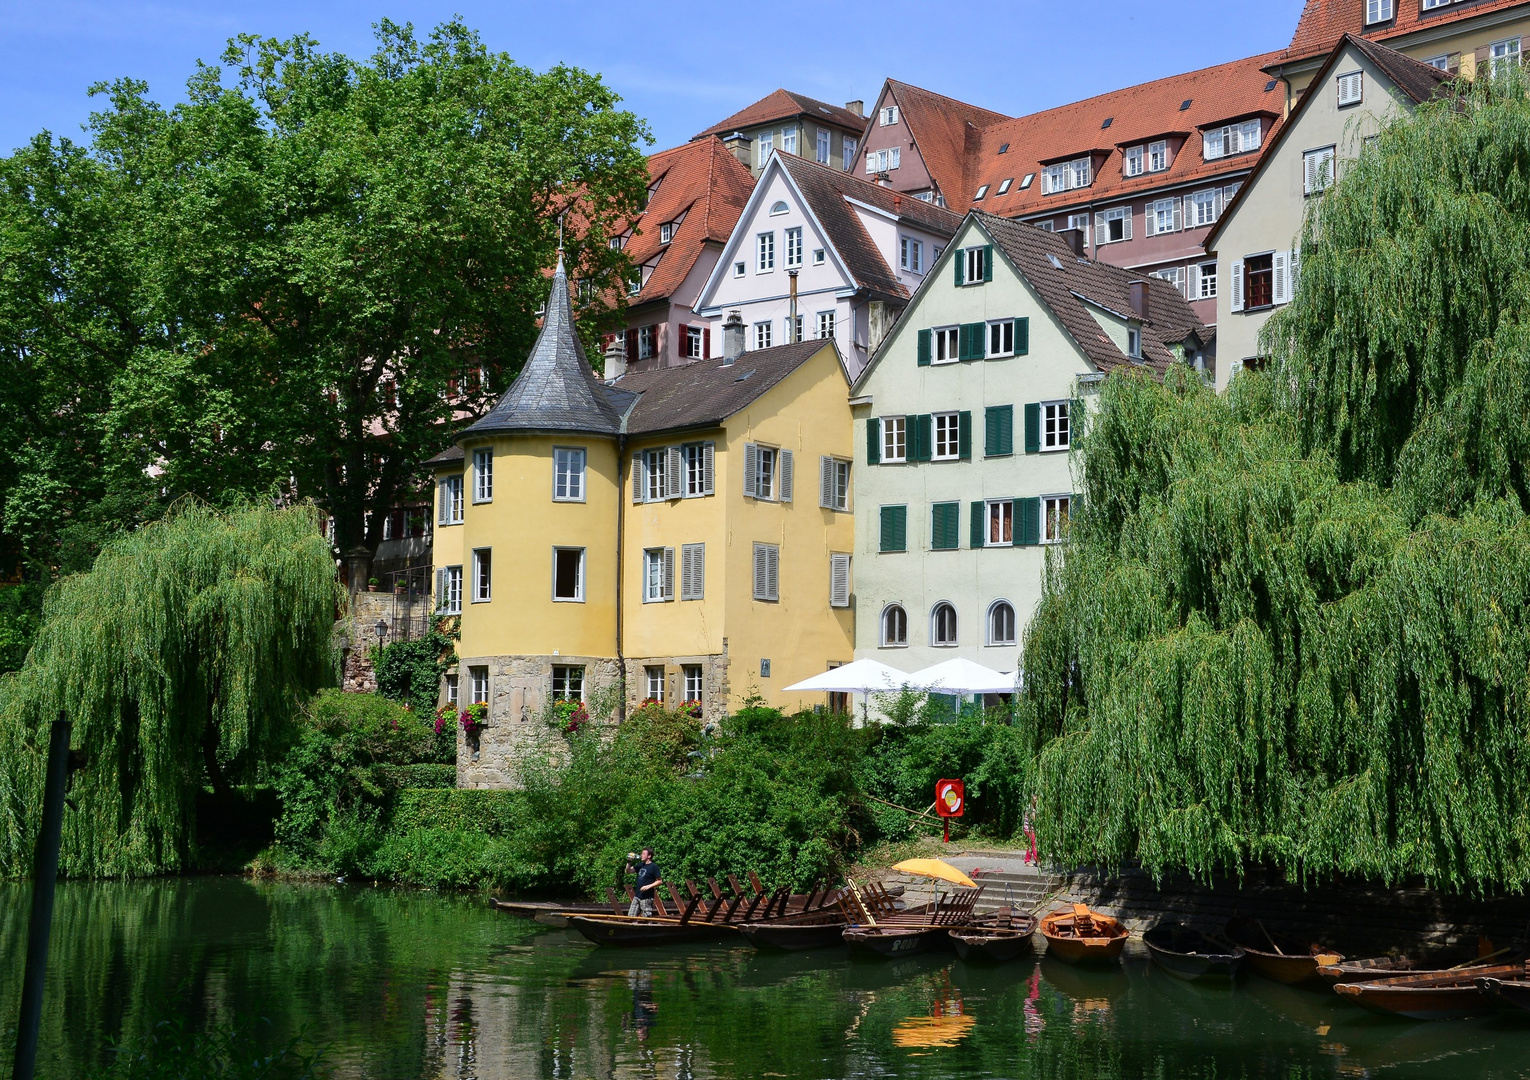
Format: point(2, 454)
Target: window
point(826, 324)
point(450, 512)
point(738, 269)
point(1004, 185)
point(825, 141)
point(482, 566)
point(1174, 275)
point(1131, 161)
point(1111, 226)
point(1259, 281)
point(1081, 222)
point(761, 473)
point(767, 571)
point(1231, 139)
point(568, 574)
point(480, 679)
point(658, 575)
point(818, 256)
point(1444, 61)
point(695, 342)
point(1055, 426)
point(1001, 523)
point(568, 474)
point(847, 152)
point(1134, 342)
point(945, 526)
point(1380, 10)
point(947, 436)
point(895, 438)
point(1351, 86)
point(1054, 518)
point(1001, 338)
point(778, 208)
point(656, 475)
point(943, 625)
point(894, 627)
point(762, 335)
point(1158, 156)
point(1026, 180)
point(789, 141)
point(645, 342)
point(764, 147)
point(1505, 54)
point(1208, 281)
point(653, 676)
point(1204, 208)
point(945, 345)
point(615, 243)
point(1163, 216)
point(911, 254)
point(666, 232)
point(483, 475)
point(1001, 623)
point(881, 161)
point(975, 259)
point(1067, 175)
point(699, 459)
point(889, 116)
point(793, 239)
point(765, 252)
point(894, 529)
point(982, 193)
point(635, 282)
point(452, 691)
point(449, 590)
point(693, 571)
point(1317, 170)
point(833, 483)
point(567, 683)
point(692, 673)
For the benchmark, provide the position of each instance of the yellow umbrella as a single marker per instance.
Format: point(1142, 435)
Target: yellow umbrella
point(935, 868)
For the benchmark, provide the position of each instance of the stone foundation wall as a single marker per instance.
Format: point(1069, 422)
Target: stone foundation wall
point(714, 681)
point(356, 634)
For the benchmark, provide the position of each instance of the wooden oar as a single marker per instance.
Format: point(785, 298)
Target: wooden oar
point(1482, 959)
point(1279, 951)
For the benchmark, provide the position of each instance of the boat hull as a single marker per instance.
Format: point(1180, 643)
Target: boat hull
point(1086, 951)
point(1191, 956)
point(1289, 970)
point(1103, 943)
point(623, 932)
point(1280, 960)
point(990, 947)
point(794, 937)
point(893, 941)
point(1512, 992)
point(1450, 995)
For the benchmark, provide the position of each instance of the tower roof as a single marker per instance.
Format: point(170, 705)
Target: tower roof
point(556, 390)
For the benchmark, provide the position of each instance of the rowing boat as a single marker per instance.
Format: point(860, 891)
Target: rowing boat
point(894, 940)
point(996, 943)
point(1077, 935)
point(628, 931)
point(1432, 995)
point(1514, 990)
point(1191, 955)
point(1278, 958)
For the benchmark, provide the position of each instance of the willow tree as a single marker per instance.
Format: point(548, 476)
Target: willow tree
point(181, 656)
point(1290, 627)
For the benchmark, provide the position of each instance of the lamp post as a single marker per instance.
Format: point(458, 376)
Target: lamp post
point(382, 632)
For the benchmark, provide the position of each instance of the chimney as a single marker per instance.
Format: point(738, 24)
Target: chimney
point(616, 357)
point(857, 107)
point(1139, 294)
point(733, 338)
point(740, 146)
point(1075, 240)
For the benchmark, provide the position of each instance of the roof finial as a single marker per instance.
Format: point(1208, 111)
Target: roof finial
point(560, 269)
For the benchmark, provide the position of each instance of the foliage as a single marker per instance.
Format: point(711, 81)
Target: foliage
point(232, 1048)
point(20, 616)
point(181, 658)
point(410, 672)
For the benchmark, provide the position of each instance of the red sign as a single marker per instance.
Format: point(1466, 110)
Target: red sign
point(950, 798)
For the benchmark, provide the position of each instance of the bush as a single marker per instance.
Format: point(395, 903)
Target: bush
point(409, 672)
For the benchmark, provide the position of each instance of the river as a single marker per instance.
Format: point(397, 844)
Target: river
point(404, 984)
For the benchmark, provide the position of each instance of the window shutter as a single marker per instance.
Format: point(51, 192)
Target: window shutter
point(751, 465)
point(924, 436)
point(924, 348)
point(631, 339)
point(1100, 231)
point(685, 571)
point(787, 470)
point(443, 510)
point(960, 261)
point(826, 482)
point(1237, 285)
point(979, 338)
point(1150, 220)
point(964, 435)
point(1077, 418)
point(773, 571)
point(440, 588)
point(1033, 428)
point(873, 441)
point(998, 430)
point(1023, 336)
point(674, 474)
point(1179, 220)
point(975, 531)
point(761, 573)
point(1281, 262)
point(637, 478)
point(1310, 180)
point(896, 153)
point(1029, 531)
point(839, 580)
point(669, 573)
point(708, 455)
point(1190, 222)
point(1017, 510)
point(987, 262)
point(894, 526)
point(698, 571)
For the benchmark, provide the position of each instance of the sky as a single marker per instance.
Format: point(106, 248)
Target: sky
point(680, 66)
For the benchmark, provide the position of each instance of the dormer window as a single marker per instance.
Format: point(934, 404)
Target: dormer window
point(1067, 175)
point(615, 243)
point(889, 116)
point(1158, 156)
point(1378, 11)
point(1230, 139)
point(1131, 161)
point(982, 193)
point(777, 208)
point(1004, 185)
point(635, 283)
point(1134, 342)
point(666, 232)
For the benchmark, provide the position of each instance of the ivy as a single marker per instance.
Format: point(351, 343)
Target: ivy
point(410, 672)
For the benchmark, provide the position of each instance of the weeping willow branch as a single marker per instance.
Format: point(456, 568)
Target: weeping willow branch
point(181, 657)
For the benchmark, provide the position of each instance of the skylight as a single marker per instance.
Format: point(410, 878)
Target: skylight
point(982, 191)
point(1025, 183)
point(1108, 121)
point(1183, 105)
point(1004, 185)
point(1004, 148)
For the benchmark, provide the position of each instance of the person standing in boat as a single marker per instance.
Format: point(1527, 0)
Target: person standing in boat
point(648, 881)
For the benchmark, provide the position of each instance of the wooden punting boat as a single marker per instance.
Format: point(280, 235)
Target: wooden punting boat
point(627, 931)
point(1432, 995)
point(787, 936)
point(878, 928)
point(1513, 991)
point(1077, 935)
point(1386, 967)
point(1191, 955)
point(994, 943)
point(700, 917)
point(549, 913)
point(1279, 958)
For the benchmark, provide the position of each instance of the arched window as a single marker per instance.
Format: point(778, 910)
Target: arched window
point(1001, 623)
point(777, 208)
point(894, 626)
point(943, 624)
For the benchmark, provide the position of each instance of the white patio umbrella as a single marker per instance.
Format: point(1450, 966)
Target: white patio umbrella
point(962, 676)
point(864, 676)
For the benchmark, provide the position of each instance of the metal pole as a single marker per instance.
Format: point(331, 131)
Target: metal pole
point(45, 876)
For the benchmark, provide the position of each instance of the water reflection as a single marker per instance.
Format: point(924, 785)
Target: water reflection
point(413, 984)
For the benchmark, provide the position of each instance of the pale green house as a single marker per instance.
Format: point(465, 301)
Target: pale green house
point(965, 417)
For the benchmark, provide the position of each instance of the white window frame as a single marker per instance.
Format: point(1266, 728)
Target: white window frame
point(792, 239)
point(974, 257)
point(997, 514)
point(1134, 341)
point(740, 269)
point(765, 252)
point(824, 145)
point(1244, 137)
point(647, 342)
point(789, 141)
point(483, 474)
point(888, 612)
point(1503, 53)
point(767, 473)
point(1132, 161)
point(1106, 235)
point(762, 149)
point(888, 116)
point(658, 575)
point(1205, 208)
point(478, 676)
point(666, 232)
point(1158, 156)
point(982, 193)
point(1014, 624)
point(450, 600)
point(848, 148)
point(1350, 87)
point(1174, 275)
point(825, 324)
point(1207, 283)
point(1380, 11)
point(656, 474)
point(911, 254)
point(936, 641)
point(697, 461)
point(945, 344)
point(568, 473)
point(838, 477)
point(1050, 534)
point(790, 332)
point(762, 333)
point(945, 430)
point(1004, 185)
point(1318, 160)
point(453, 689)
point(578, 598)
point(695, 343)
point(1157, 210)
point(450, 494)
point(483, 575)
point(1056, 425)
point(999, 338)
point(572, 675)
point(894, 439)
point(819, 258)
point(695, 684)
point(653, 677)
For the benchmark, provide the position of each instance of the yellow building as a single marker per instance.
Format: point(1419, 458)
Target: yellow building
point(681, 534)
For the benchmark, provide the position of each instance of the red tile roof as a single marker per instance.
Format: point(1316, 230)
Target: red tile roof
point(707, 184)
point(947, 133)
point(783, 105)
point(1226, 92)
point(1323, 22)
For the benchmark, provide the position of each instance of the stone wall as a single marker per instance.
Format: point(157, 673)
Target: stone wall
point(714, 681)
point(356, 634)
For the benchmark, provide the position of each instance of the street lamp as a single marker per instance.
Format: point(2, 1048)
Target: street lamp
point(382, 631)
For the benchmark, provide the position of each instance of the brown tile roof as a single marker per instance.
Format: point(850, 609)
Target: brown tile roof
point(1323, 22)
point(707, 184)
point(825, 190)
point(1226, 92)
point(707, 392)
point(947, 133)
point(783, 105)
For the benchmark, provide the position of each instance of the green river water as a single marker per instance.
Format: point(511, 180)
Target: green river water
point(404, 984)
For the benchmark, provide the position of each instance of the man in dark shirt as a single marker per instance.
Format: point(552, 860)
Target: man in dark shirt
point(648, 881)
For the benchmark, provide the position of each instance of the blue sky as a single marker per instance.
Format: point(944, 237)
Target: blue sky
point(682, 66)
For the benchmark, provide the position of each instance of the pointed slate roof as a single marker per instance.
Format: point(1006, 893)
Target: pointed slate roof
point(556, 390)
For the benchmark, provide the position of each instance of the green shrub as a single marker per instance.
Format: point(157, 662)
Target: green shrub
point(409, 672)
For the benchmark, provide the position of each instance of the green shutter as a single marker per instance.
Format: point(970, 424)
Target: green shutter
point(964, 435)
point(1017, 508)
point(1076, 418)
point(924, 437)
point(873, 441)
point(1022, 336)
point(1033, 428)
point(974, 340)
point(978, 516)
point(987, 262)
point(961, 264)
point(998, 430)
point(894, 528)
point(944, 523)
point(1030, 521)
point(924, 348)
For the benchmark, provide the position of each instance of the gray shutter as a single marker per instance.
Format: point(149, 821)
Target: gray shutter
point(1190, 222)
point(759, 572)
point(1236, 291)
point(674, 473)
point(1150, 220)
point(638, 477)
point(1126, 222)
point(773, 568)
point(708, 452)
point(692, 571)
point(839, 580)
point(826, 482)
point(785, 458)
point(1099, 229)
point(443, 510)
point(440, 588)
point(669, 573)
point(1281, 261)
point(751, 466)
point(1179, 220)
